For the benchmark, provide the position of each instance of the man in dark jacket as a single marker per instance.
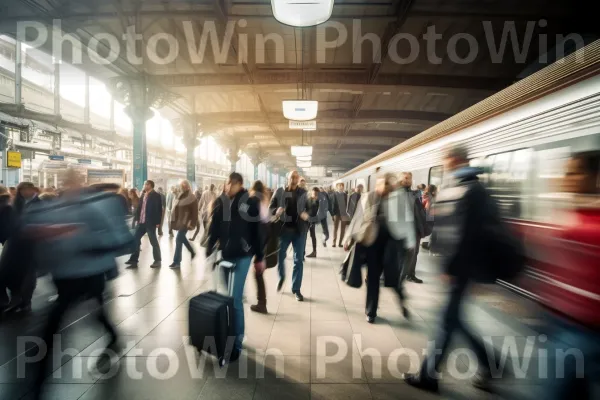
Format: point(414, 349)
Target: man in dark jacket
point(410, 261)
point(149, 215)
point(290, 204)
point(340, 217)
point(460, 211)
point(354, 200)
point(235, 226)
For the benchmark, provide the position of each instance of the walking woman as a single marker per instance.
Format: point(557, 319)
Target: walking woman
point(383, 225)
point(184, 218)
point(259, 191)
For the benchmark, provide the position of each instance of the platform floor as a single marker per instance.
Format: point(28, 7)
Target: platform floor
point(299, 339)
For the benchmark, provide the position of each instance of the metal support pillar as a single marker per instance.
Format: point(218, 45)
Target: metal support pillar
point(140, 150)
point(18, 75)
point(56, 89)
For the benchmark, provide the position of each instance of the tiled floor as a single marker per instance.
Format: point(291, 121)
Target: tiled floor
point(319, 349)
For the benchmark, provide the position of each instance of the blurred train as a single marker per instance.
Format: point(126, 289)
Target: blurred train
point(522, 137)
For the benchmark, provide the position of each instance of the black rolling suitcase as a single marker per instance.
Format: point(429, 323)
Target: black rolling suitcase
point(211, 322)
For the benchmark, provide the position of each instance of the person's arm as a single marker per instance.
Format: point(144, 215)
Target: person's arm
point(321, 211)
point(275, 202)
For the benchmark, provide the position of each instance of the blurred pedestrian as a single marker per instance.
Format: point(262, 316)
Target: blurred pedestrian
point(463, 219)
point(163, 199)
point(260, 195)
point(135, 203)
point(410, 262)
point(184, 218)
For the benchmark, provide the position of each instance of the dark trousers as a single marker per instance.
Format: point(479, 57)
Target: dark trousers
point(180, 241)
point(325, 228)
point(162, 221)
point(261, 290)
point(410, 262)
point(383, 257)
point(141, 230)
point(313, 237)
point(450, 324)
point(337, 221)
point(70, 292)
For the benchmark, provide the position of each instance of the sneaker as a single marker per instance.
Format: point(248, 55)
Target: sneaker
point(259, 308)
point(312, 255)
point(175, 266)
point(156, 264)
point(429, 385)
point(299, 296)
point(280, 285)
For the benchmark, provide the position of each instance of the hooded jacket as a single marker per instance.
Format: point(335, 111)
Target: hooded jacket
point(235, 227)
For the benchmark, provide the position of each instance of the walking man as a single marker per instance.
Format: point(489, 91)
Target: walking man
point(149, 214)
point(290, 204)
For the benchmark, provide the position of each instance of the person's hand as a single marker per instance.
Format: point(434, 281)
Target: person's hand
point(260, 267)
point(304, 216)
point(346, 246)
point(279, 212)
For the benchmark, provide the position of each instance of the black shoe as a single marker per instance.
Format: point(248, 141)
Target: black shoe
point(132, 266)
point(130, 262)
point(156, 264)
point(280, 285)
point(370, 319)
point(405, 313)
point(333, 245)
point(429, 385)
point(299, 296)
point(175, 266)
point(324, 243)
point(415, 279)
point(235, 355)
point(312, 255)
point(340, 245)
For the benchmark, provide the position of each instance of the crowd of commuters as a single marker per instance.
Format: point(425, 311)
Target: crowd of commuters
point(381, 229)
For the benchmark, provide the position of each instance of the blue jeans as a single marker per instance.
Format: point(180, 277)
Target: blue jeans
point(180, 241)
point(298, 242)
point(236, 290)
point(579, 339)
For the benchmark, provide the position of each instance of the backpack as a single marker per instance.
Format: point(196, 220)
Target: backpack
point(504, 251)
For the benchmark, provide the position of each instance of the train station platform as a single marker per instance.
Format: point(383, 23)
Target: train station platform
point(322, 348)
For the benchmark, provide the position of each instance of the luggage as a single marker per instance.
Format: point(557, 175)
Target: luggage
point(211, 322)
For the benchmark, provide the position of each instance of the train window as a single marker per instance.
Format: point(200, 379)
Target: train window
point(436, 175)
point(508, 182)
point(549, 172)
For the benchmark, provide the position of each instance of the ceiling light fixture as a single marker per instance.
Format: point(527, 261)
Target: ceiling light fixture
point(304, 158)
point(300, 110)
point(304, 164)
point(302, 13)
point(299, 151)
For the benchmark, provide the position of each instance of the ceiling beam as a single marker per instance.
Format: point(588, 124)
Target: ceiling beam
point(333, 134)
point(230, 82)
point(223, 119)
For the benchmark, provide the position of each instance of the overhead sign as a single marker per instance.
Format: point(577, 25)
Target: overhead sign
point(56, 158)
point(303, 124)
point(84, 161)
point(106, 176)
point(13, 159)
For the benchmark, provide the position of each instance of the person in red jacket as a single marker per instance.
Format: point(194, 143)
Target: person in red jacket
point(572, 288)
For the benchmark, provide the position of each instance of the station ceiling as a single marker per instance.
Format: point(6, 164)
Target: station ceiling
point(365, 106)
